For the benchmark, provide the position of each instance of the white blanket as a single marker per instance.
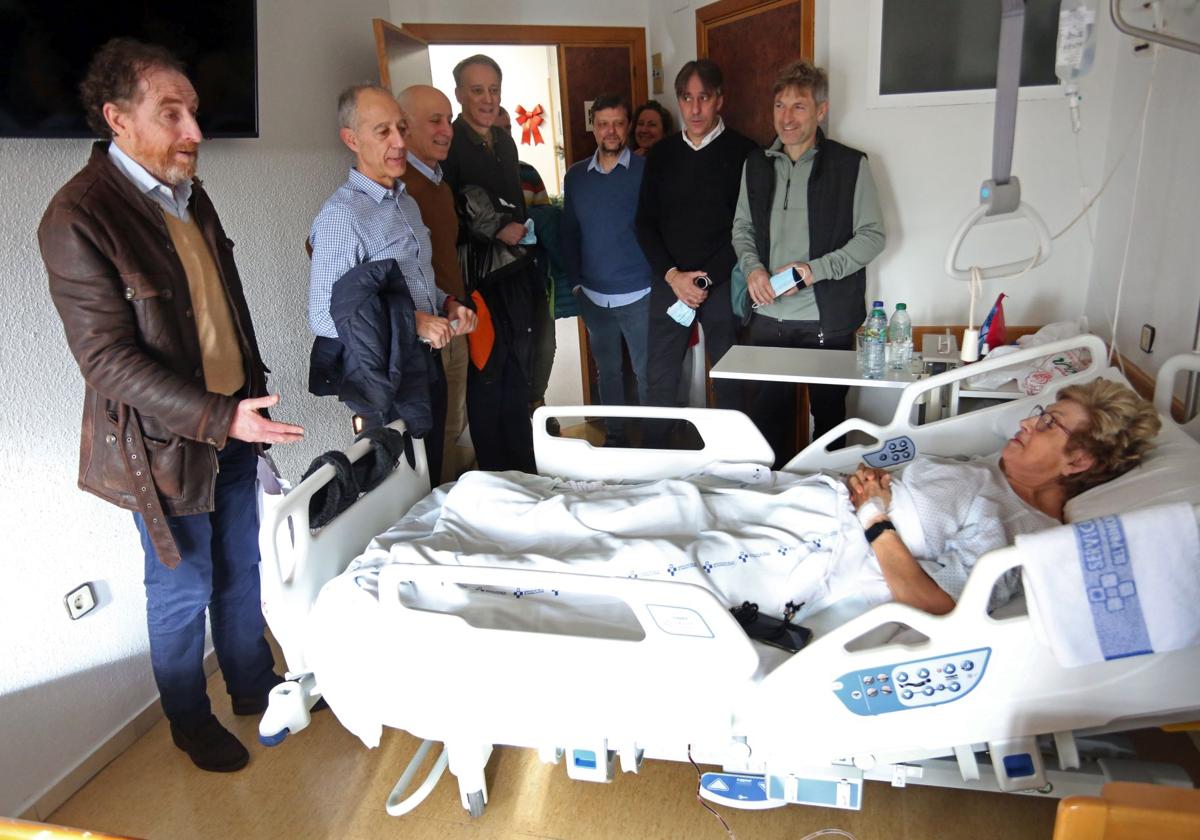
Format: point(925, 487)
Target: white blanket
point(792, 539)
point(795, 540)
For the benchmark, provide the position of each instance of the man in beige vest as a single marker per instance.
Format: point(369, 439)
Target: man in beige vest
point(428, 131)
point(143, 277)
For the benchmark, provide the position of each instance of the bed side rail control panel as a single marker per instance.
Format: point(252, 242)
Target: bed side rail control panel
point(831, 787)
point(932, 681)
point(895, 451)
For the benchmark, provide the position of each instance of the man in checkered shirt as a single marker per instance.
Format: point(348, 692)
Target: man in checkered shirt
point(372, 217)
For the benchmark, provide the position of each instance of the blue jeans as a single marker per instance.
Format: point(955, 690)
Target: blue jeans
point(219, 571)
point(606, 327)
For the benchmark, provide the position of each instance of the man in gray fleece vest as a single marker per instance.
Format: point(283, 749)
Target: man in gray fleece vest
point(808, 203)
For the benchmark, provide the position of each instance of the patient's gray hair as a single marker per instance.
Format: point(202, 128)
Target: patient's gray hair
point(347, 103)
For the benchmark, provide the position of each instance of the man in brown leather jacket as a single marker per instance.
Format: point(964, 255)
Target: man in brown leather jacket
point(143, 277)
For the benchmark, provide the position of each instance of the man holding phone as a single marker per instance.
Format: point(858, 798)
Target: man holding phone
point(808, 213)
point(685, 209)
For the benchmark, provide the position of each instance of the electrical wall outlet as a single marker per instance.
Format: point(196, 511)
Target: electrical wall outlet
point(80, 601)
point(1146, 342)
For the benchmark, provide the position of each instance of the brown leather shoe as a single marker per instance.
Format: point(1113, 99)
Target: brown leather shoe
point(210, 746)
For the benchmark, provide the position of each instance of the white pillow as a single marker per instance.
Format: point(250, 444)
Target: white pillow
point(1169, 473)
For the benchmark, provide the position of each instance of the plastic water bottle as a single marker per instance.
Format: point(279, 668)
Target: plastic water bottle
point(900, 338)
point(861, 331)
point(874, 344)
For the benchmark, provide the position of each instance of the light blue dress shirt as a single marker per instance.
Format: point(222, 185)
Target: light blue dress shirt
point(361, 222)
point(174, 200)
point(434, 175)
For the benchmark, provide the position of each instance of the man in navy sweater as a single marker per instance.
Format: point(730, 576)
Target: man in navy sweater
point(602, 255)
point(685, 215)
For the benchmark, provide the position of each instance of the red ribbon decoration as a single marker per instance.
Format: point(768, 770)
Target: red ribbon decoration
point(529, 122)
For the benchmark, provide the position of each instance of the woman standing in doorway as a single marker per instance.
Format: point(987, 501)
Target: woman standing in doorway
point(651, 123)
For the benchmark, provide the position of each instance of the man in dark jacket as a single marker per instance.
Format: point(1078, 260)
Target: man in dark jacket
point(143, 277)
point(499, 377)
point(807, 203)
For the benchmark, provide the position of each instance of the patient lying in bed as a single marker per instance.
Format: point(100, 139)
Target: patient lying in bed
point(782, 540)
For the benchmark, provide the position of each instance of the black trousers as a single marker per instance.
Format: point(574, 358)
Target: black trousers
point(772, 408)
point(498, 414)
point(668, 344)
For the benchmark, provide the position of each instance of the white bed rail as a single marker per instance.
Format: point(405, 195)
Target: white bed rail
point(1022, 691)
point(727, 436)
point(296, 562)
point(678, 683)
point(951, 436)
point(681, 622)
point(1164, 383)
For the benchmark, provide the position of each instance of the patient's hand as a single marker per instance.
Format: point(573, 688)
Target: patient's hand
point(867, 483)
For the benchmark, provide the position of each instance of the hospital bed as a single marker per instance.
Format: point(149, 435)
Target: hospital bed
point(806, 728)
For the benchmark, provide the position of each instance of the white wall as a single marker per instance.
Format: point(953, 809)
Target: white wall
point(1160, 222)
point(929, 162)
point(66, 686)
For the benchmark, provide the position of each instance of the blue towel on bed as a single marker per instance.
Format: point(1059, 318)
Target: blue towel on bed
point(1116, 586)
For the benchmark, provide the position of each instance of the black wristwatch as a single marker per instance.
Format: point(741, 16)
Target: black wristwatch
point(878, 528)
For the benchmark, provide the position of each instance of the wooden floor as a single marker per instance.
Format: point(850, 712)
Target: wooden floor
point(323, 783)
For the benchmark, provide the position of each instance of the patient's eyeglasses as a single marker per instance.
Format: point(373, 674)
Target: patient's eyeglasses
point(1047, 421)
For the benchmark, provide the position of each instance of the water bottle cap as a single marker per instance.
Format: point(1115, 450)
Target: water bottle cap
point(901, 306)
point(877, 305)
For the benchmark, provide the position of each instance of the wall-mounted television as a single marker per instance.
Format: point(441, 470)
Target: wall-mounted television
point(45, 47)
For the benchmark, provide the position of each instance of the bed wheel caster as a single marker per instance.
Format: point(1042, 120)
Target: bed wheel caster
point(287, 710)
point(475, 803)
point(273, 740)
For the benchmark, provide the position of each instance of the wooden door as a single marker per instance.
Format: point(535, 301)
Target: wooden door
point(403, 57)
point(587, 71)
point(591, 60)
point(751, 40)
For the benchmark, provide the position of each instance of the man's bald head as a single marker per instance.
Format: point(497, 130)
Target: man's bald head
point(428, 131)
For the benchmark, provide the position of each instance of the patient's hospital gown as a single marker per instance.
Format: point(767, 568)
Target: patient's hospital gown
point(950, 513)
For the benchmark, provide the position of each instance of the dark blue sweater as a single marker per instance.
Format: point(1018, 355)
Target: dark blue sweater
point(600, 248)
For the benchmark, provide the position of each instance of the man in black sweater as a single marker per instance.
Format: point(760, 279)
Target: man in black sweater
point(685, 214)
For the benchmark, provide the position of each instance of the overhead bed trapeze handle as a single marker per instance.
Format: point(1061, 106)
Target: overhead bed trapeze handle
point(674, 616)
point(997, 272)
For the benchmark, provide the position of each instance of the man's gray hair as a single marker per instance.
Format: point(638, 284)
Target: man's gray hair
point(803, 75)
point(478, 58)
point(347, 103)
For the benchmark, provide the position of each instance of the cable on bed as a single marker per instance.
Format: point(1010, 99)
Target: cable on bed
point(700, 799)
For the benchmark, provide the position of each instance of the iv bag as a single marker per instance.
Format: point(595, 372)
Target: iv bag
point(1076, 40)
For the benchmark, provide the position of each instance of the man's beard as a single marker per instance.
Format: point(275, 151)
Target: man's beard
point(168, 169)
